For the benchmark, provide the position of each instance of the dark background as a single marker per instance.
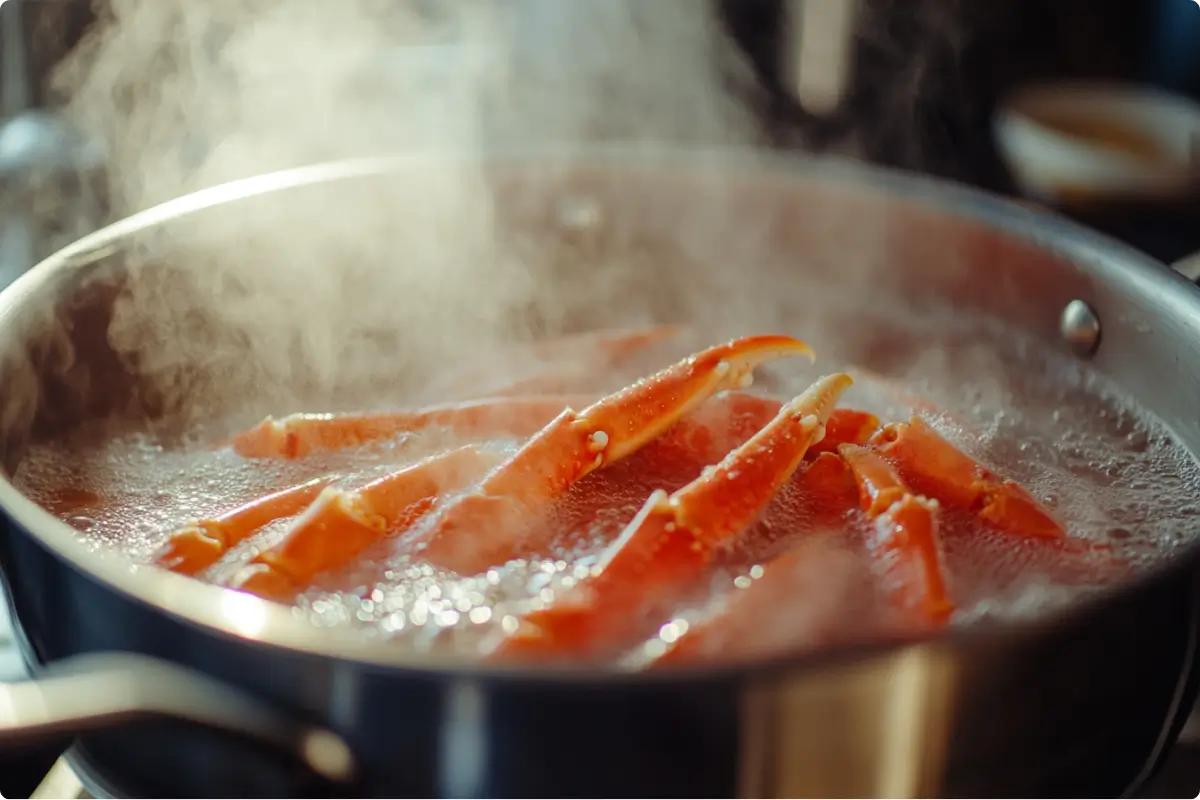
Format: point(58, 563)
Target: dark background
point(926, 77)
point(928, 74)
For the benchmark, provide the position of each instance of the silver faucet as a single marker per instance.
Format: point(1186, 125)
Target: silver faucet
point(818, 44)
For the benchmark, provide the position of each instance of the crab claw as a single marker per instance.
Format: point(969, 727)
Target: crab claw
point(196, 547)
point(492, 525)
point(340, 524)
point(674, 538)
point(297, 435)
point(936, 468)
point(905, 538)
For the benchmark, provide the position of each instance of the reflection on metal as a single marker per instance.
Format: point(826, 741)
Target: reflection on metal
point(1188, 267)
point(60, 783)
point(1080, 328)
point(882, 731)
point(464, 741)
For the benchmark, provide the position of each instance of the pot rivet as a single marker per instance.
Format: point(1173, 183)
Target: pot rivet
point(1080, 328)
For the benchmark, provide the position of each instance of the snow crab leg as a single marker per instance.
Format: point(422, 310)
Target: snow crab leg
point(384, 501)
point(342, 523)
point(575, 444)
point(297, 435)
point(923, 457)
point(517, 409)
point(905, 539)
point(928, 462)
point(935, 467)
point(815, 580)
point(196, 547)
point(671, 541)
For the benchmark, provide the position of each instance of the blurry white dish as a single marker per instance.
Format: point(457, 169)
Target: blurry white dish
point(1065, 142)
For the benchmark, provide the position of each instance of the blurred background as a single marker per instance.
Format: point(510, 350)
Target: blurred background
point(1085, 106)
point(915, 84)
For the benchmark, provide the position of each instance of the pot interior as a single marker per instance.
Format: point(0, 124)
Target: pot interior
point(358, 287)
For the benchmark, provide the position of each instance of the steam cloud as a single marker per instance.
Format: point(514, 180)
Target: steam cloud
point(189, 95)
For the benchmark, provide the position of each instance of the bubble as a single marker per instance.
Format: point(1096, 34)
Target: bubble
point(81, 523)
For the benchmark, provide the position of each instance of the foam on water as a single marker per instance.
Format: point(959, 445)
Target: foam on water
point(1111, 472)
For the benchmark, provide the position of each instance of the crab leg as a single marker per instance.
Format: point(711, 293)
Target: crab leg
point(340, 524)
point(827, 489)
point(492, 524)
point(905, 537)
point(846, 426)
point(297, 435)
point(196, 547)
point(674, 538)
point(820, 585)
point(935, 467)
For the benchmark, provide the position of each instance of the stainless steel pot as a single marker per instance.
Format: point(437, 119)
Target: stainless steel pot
point(1083, 701)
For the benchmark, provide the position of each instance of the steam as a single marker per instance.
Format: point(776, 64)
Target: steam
point(322, 288)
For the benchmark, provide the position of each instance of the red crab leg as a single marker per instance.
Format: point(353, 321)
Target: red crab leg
point(905, 537)
point(494, 523)
point(936, 468)
point(828, 490)
point(342, 523)
point(198, 546)
point(846, 426)
point(674, 538)
point(820, 586)
point(297, 435)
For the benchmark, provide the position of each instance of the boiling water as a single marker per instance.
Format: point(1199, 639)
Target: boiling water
point(1111, 472)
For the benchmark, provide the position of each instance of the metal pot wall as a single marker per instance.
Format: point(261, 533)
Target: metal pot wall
point(1081, 701)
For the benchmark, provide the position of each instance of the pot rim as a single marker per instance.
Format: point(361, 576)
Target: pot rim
point(227, 612)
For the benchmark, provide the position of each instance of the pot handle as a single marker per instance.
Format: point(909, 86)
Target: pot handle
point(100, 690)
